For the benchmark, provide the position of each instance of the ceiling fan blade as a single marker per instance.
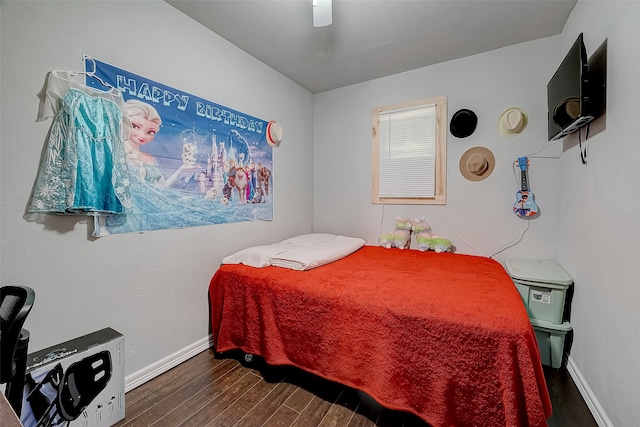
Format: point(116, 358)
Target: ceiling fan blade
point(322, 15)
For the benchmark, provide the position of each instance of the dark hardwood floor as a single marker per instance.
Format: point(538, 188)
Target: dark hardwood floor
point(223, 390)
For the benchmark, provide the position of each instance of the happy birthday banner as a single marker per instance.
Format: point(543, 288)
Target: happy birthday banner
point(192, 162)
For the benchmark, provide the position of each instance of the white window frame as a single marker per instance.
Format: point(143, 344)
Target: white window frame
point(440, 145)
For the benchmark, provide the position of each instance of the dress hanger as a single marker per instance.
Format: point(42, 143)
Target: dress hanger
point(92, 74)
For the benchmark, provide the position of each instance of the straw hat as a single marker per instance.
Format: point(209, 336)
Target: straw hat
point(274, 133)
point(463, 123)
point(477, 163)
point(512, 121)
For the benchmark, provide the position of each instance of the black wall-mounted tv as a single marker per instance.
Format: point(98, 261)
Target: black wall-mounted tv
point(574, 99)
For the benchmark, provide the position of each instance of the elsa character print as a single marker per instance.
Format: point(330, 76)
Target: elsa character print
point(145, 124)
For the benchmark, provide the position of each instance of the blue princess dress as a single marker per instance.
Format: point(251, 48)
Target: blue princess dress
point(83, 167)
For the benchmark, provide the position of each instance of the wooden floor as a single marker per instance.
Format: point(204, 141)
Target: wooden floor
point(223, 390)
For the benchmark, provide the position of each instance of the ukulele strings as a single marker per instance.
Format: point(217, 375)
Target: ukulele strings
point(515, 175)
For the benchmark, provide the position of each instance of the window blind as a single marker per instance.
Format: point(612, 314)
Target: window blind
point(408, 152)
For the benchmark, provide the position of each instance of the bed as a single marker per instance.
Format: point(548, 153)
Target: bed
point(444, 336)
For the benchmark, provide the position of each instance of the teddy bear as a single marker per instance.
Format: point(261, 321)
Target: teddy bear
point(400, 237)
point(427, 240)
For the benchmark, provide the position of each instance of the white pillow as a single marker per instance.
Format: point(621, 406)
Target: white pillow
point(258, 256)
point(310, 239)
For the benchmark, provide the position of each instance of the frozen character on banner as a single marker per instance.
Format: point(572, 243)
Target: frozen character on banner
point(230, 181)
point(250, 191)
point(263, 178)
point(155, 204)
point(254, 176)
point(238, 148)
point(145, 123)
point(241, 184)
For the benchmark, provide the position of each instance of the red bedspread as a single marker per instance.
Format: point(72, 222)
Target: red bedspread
point(444, 336)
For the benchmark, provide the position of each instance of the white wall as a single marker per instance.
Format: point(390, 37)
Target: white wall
point(151, 287)
point(478, 216)
point(588, 216)
point(598, 229)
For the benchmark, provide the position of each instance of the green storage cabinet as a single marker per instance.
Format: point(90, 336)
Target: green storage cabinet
point(542, 285)
point(550, 339)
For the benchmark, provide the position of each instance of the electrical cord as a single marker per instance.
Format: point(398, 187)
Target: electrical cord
point(551, 144)
point(381, 218)
point(515, 241)
point(458, 236)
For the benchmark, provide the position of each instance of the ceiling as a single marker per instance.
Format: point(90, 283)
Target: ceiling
point(369, 39)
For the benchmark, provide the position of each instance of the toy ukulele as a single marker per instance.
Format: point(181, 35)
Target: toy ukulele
point(524, 206)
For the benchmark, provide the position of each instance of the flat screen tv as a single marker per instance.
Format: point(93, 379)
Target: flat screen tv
point(572, 100)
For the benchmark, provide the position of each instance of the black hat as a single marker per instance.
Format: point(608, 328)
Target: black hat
point(463, 123)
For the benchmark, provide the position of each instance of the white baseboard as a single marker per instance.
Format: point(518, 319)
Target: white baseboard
point(587, 394)
point(150, 372)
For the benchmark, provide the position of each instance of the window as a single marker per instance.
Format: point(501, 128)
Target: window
point(409, 153)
